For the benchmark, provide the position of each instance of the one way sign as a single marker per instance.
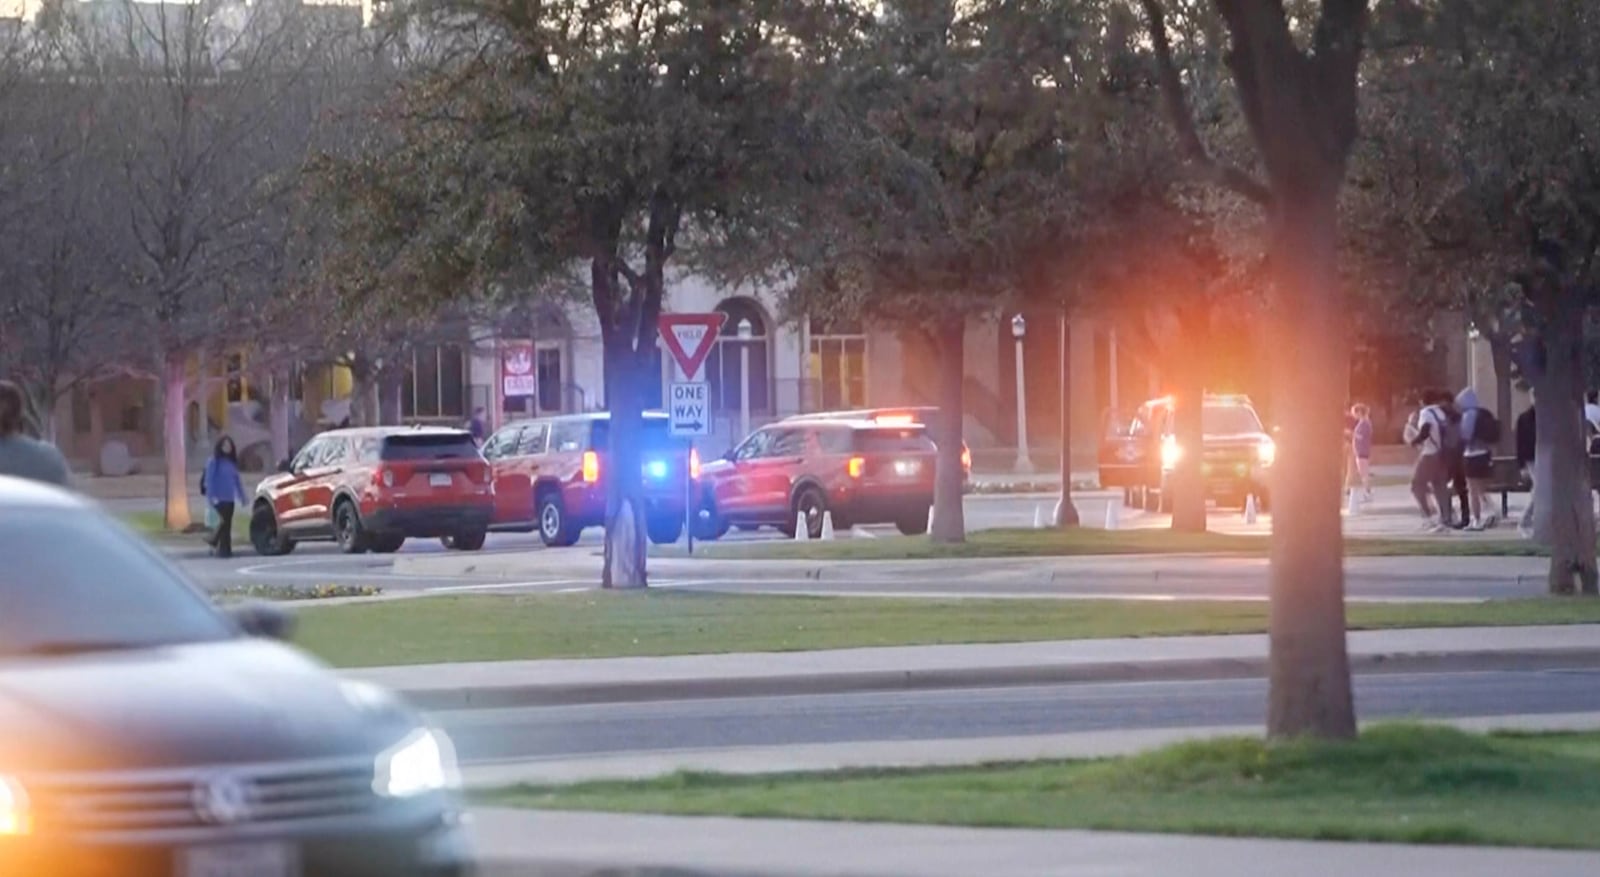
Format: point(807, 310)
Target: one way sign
point(690, 404)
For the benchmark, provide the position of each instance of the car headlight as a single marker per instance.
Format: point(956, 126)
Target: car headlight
point(1171, 453)
point(1266, 452)
point(16, 816)
point(423, 762)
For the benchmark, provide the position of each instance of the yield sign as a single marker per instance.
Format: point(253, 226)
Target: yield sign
point(689, 338)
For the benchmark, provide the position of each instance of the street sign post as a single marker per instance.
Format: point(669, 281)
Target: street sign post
point(688, 338)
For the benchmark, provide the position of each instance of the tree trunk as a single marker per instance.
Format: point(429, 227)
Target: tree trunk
point(1310, 691)
point(625, 545)
point(949, 520)
point(1563, 512)
point(278, 418)
point(1187, 480)
point(389, 386)
point(1066, 512)
point(174, 374)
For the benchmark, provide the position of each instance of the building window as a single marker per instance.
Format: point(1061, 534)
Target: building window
point(723, 364)
point(435, 384)
point(547, 368)
point(838, 364)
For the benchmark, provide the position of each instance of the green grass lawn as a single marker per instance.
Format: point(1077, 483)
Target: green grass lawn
point(1056, 543)
point(153, 525)
point(1400, 784)
point(599, 625)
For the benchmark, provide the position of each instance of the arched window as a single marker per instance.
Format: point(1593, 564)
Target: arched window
point(724, 363)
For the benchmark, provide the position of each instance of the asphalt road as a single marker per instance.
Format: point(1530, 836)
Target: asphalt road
point(488, 736)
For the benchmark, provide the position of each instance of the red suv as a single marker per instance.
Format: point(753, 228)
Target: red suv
point(550, 476)
point(860, 470)
point(924, 415)
point(371, 489)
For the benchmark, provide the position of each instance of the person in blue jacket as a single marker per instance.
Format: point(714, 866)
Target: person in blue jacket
point(222, 487)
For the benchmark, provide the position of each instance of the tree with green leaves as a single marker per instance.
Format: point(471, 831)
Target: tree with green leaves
point(542, 149)
point(957, 132)
point(1486, 118)
point(1295, 78)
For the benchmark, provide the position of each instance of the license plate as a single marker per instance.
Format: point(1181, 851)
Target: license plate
point(241, 860)
point(439, 479)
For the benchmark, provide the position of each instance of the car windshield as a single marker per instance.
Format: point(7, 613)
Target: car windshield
point(1229, 420)
point(429, 446)
point(74, 582)
point(657, 435)
point(893, 441)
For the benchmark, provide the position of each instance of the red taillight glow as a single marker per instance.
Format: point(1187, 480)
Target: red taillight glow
point(694, 463)
point(858, 466)
point(966, 459)
point(591, 467)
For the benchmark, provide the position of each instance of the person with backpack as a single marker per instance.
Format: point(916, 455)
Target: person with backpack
point(1428, 431)
point(1480, 431)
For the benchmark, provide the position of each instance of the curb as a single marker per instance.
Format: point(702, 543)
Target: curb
point(514, 868)
point(709, 688)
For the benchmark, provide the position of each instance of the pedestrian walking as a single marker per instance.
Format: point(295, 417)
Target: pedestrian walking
point(477, 424)
point(20, 455)
point(1455, 461)
point(1527, 446)
point(1430, 480)
point(1480, 431)
point(223, 488)
point(1361, 447)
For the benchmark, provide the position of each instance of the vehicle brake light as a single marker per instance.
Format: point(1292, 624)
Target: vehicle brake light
point(591, 467)
point(858, 465)
point(966, 459)
point(1171, 453)
point(386, 476)
point(694, 463)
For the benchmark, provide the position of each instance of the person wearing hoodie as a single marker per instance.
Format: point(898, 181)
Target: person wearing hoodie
point(1428, 432)
point(1477, 449)
point(223, 487)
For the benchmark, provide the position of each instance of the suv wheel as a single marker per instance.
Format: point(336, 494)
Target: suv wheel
point(665, 531)
point(709, 526)
point(913, 525)
point(347, 529)
point(554, 530)
point(264, 535)
point(387, 544)
point(471, 540)
point(811, 503)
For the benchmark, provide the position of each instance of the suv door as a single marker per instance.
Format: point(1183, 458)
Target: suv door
point(289, 496)
point(501, 453)
point(773, 474)
point(733, 489)
point(323, 479)
point(1126, 446)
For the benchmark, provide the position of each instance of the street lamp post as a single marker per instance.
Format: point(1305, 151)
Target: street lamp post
point(1472, 355)
point(1019, 329)
point(746, 331)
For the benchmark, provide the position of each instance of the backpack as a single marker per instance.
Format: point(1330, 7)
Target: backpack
point(1449, 431)
point(1486, 430)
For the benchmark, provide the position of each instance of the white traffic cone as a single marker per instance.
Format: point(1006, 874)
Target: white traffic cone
point(1038, 517)
point(1113, 513)
point(1250, 509)
point(802, 531)
point(827, 526)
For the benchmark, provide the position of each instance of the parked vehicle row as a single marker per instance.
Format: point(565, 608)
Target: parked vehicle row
point(373, 489)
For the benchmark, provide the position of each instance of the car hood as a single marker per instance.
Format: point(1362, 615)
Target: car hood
point(206, 704)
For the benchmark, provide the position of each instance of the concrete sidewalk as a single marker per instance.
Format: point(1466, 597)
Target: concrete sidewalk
point(614, 680)
point(551, 844)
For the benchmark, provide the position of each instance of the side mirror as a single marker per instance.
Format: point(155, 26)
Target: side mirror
point(284, 467)
point(262, 620)
point(727, 456)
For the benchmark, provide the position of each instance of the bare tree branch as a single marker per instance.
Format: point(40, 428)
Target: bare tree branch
point(1228, 176)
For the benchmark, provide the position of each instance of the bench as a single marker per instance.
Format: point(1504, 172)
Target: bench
point(1507, 478)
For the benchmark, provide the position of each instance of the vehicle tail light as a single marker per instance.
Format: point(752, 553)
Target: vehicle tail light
point(591, 467)
point(858, 466)
point(966, 459)
point(694, 463)
point(384, 476)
